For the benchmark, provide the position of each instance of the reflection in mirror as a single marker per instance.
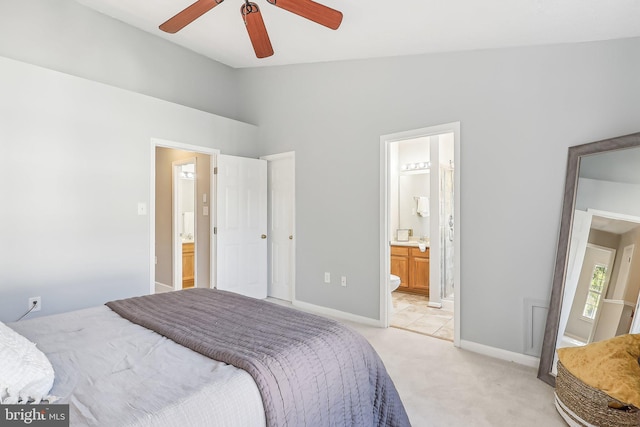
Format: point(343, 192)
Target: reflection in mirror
point(413, 203)
point(597, 274)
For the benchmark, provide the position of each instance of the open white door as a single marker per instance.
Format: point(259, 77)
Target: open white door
point(241, 212)
point(577, 249)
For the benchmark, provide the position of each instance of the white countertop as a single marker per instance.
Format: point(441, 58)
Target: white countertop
point(411, 243)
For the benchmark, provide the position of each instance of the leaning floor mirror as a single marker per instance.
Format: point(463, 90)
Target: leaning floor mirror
point(596, 279)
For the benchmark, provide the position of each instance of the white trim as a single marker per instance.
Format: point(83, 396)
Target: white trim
point(448, 304)
point(154, 143)
point(213, 222)
point(575, 337)
point(330, 312)
point(385, 255)
point(501, 354)
point(434, 304)
point(385, 251)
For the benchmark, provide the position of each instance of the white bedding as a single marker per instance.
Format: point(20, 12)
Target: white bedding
point(26, 375)
point(115, 373)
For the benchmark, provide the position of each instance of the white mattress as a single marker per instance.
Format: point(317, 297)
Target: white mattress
point(115, 373)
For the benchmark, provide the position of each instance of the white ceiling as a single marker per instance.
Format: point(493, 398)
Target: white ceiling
point(377, 28)
point(614, 226)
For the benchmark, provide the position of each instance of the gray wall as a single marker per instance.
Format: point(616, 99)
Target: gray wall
point(608, 196)
point(77, 161)
point(520, 109)
point(77, 153)
point(65, 36)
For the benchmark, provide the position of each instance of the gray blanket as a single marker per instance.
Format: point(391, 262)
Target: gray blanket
point(311, 371)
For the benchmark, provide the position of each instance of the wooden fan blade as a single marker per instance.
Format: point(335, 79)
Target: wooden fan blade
point(311, 10)
point(256, 29)
point(188, 15)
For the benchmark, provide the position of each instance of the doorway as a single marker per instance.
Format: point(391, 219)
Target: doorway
point(182, 248)
point(432, 210)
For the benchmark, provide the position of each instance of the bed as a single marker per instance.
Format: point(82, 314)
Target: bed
point(202, 357)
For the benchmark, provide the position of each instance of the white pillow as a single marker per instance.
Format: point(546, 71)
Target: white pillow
point(26, 375)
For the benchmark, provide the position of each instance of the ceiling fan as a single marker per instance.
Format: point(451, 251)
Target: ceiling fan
point(252, 17)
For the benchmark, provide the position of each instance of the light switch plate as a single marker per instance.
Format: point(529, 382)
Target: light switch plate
point(142, 208)
point(205, 210)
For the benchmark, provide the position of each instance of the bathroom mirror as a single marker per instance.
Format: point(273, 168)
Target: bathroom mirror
point(412, 187)
point(597, 269)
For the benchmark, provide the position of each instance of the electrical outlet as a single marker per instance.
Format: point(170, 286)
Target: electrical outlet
point(37, 301)
point(343, 281)
point(327, 277)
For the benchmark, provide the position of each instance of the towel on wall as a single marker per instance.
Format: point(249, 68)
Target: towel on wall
point(423, 206)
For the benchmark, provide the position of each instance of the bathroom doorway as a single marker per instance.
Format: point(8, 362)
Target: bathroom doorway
point(419, 211)
point(182, 209)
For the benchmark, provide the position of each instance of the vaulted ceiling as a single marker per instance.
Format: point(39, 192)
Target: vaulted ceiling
point(377, 28)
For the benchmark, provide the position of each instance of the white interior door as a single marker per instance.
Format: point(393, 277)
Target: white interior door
point(281, 181)
point(241, 213)
point(623, 276)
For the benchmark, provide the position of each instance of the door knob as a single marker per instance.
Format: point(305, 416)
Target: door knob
point(264, 236)
point(290, 237)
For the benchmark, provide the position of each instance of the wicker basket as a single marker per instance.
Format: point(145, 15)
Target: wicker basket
point(590, 406)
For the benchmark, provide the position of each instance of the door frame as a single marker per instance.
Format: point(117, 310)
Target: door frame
point(269, 158)
point(385, 233)
point(212, 152)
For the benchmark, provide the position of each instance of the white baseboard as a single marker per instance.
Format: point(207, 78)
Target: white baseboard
point(434, 304)
point(330, 312)
point(499, 353)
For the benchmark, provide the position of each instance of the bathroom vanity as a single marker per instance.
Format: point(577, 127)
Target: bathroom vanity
point(188, 264)
point(412, 266)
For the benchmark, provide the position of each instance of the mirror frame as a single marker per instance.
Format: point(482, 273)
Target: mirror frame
point(557, 288)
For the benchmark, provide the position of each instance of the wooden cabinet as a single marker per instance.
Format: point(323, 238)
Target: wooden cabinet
point(419, 271)
point(188, 265)
point(400, 264)
point(412, 266)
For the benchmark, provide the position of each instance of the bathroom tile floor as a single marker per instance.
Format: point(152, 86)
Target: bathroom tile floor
point(411, 312)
